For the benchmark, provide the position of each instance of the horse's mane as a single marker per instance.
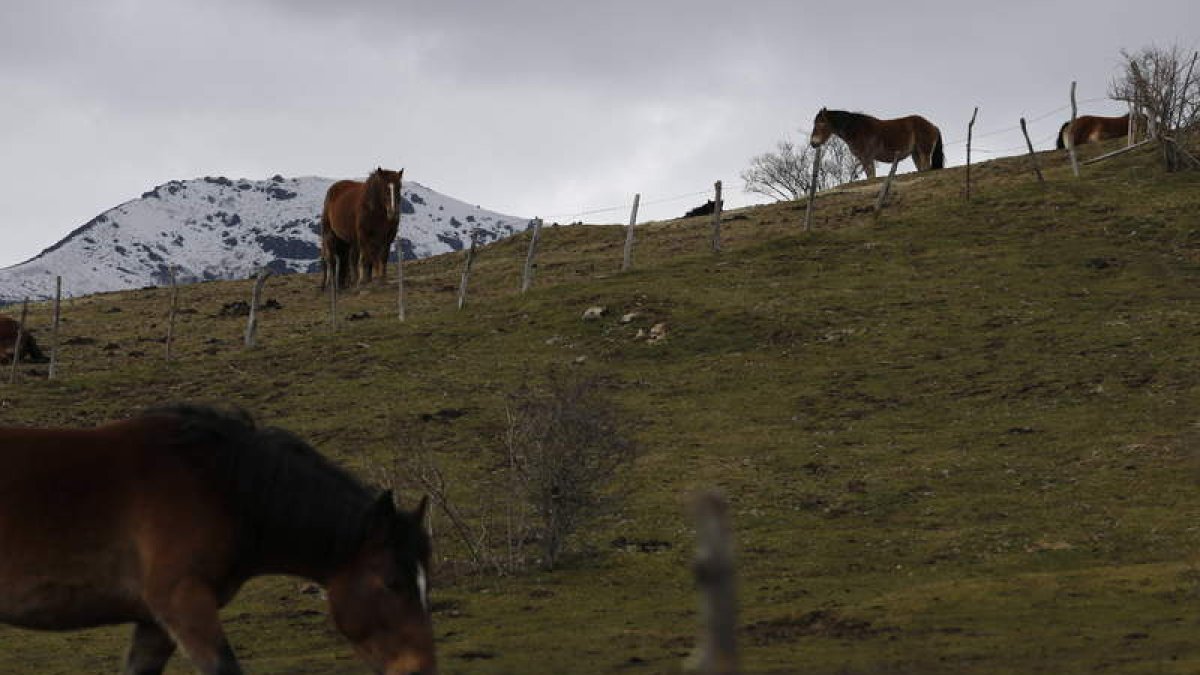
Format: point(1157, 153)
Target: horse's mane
point(285, 494)
point(373, 197)
point(845, 121)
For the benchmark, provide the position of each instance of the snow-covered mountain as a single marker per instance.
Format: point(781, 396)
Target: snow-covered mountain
point(217, 228)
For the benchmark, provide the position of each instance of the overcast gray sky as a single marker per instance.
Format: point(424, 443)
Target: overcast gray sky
point(546, 108)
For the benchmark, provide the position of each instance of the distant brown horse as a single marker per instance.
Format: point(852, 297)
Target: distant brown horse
point(874, 140)
point(159, 520)
point(30, 353)
point(358, 225)
point(1091, 129)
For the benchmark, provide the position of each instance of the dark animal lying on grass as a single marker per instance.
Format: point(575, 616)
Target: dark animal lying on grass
point(30, 352)
point(705, 209)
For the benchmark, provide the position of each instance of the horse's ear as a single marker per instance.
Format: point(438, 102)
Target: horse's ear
point(381, 519)
point(420, 513)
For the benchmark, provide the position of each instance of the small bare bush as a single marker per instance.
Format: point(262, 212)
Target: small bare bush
point(1163, 83)
point(549, 474)
point(564, 445)
point(786, 173)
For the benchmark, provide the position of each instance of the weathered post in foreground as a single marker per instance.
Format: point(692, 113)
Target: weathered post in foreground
point(1069, 141)
point(531, 256)
point(255, 298)
point(718, 592)
point(812, 188)
point(171, 313)
point(627, 260)
point(466, 275)
point(716, 220)
point(54, 327)
point(1032, 157)
point(16, 357)
point(970, 131)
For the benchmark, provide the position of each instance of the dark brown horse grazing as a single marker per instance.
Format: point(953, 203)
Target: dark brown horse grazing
point(1090, 129)
point(159, 520)
point(30, 353)
point(358, 225)
point(874, 140)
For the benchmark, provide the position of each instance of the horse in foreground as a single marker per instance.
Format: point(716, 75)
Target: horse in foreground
point(359, 222)
point(1091, 129)
point(159, 520)
point(874, 140)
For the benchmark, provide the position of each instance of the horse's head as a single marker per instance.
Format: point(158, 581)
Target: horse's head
point(384, 185)
point(379, 599)
point(822, 129)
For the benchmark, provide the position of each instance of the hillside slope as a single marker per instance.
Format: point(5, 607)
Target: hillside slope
point(959, 440)
point(216, 228)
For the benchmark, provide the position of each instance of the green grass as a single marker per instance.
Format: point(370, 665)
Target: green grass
point(961, 439)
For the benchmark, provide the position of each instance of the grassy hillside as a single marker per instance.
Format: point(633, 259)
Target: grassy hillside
point(961, 439)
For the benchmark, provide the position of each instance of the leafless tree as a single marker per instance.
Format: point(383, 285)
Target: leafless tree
point(1163, 83)
point(785, 174)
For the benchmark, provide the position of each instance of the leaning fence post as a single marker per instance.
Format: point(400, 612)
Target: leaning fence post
point(400, 309)
point(255, 297)
point(1069, 141)
point(970, 131)
point(812, 188)
point(466, 275)
point(527, 275)
point(1032, 157)
point(715, 578)
point(54, 327)
point(333, 293)
point(716, 220)
point(16, 357)
point(171, 313)
point(627, 260)
point(887, 186)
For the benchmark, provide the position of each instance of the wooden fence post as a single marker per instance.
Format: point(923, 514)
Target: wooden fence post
point(400, 308)
point(887, 186)
point(54, 327)
point(715, 578)
point(1069, 141)
point(333, 294)
point(1131, 127)
point(466, 275)
point(812, 188)
point(255, 298)
point(970, 132)
point(531, 256)
point(16, 357)
point(716, 221)
point(171, 313)
point(627, 260)
point(1032, 157)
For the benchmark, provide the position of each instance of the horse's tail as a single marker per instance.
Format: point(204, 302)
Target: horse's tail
point(937, 159)
point(1060, 144)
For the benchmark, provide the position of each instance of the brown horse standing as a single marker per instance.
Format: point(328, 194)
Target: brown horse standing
point(30, 353)
point(159, 520)
point(1091, 129)
point(358, 225)
point(874, 140)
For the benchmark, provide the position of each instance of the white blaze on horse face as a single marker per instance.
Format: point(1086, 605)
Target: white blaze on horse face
point(423, 586)
point(391, 199)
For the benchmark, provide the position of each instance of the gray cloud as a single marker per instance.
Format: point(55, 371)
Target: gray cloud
point(530, 108)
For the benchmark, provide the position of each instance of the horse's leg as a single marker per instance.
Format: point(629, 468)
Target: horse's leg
point(188, 609)
point(149, 651)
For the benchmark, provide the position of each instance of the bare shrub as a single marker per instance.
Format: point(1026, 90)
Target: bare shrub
point(564, 446)
point(1163, 83)
point(549, 474)
point(786, 173)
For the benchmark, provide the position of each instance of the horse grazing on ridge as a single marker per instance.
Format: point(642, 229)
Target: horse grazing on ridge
point(874, 140)
point(160, 519)
point(359, 222)
point(1091, 129)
